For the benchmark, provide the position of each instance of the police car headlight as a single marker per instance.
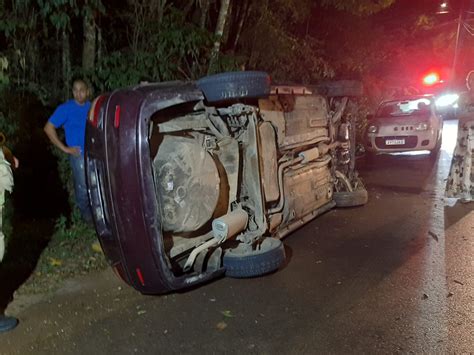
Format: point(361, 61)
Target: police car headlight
point(372, 129)
point(447, 100)
point(421, 126)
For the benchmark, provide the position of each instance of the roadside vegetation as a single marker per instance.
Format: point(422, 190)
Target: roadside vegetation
point(47, 43)
point(73, 250)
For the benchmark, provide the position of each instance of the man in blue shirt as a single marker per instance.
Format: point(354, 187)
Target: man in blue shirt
point(72, 116)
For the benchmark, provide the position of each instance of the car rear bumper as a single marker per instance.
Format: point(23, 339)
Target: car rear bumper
point(122, 194)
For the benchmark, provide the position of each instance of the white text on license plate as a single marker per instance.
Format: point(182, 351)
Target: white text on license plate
point(395, 141)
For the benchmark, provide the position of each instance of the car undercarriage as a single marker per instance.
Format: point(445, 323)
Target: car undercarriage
point(189, 181)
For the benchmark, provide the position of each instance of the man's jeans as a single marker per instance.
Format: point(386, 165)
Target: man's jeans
point(80, 188)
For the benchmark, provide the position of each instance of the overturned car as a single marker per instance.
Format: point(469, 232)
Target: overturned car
point(189, 181)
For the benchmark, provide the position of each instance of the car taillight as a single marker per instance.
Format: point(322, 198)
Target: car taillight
point(117, 116)
point(140, 276)
point(94, 113)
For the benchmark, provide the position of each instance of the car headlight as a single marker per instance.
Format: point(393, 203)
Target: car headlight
point(423, 126)
point(447, 100)
point(372, 129)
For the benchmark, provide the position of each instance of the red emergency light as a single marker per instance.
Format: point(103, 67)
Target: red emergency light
point(431, 79)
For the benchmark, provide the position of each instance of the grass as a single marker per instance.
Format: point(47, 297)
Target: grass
point(73, 250)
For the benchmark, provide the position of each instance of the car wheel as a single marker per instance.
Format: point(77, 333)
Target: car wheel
point(358, 197)
point(435, 151)
point(235, 85)
point(241, 264)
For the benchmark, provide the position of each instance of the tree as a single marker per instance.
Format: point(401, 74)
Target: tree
point(90, 39)
point(358, 7)
point(221, 22)
point(204, 4)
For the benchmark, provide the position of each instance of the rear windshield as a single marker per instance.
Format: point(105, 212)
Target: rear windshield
point(419, 106)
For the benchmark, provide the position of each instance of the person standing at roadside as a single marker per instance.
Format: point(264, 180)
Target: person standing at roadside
point(460, 183)
point(72, 116)
point(7, 160)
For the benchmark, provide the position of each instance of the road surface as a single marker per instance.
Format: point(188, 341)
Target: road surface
point(393, 276)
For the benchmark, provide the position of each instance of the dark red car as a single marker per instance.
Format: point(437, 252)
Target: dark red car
point(193, 180)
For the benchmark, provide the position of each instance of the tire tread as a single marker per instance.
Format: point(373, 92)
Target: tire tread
point(256, 264)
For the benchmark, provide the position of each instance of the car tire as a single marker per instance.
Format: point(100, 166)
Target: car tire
point(435, 151)
point(235, 85)
point(358, 197)
point(351, 199)
point(256, 263)
point(341, 88)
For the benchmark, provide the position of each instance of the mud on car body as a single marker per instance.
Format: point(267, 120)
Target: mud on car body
point(192, 180)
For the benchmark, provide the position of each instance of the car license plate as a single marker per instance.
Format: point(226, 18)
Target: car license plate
point(395, 141)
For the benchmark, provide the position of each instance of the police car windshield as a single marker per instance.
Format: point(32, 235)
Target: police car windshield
point(419, 106)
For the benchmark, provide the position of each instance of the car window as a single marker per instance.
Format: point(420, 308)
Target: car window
point(405, 107)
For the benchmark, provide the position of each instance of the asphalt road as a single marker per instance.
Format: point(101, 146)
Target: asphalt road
point(394, 276)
